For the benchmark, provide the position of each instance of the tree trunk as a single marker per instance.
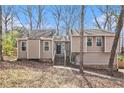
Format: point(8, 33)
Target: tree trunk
point(0, 33)
point(6, 28)
point(81, 38)
point(39, 17)
point(57, 29)
point(115, 43)
point(97, 23)
point(30, 16)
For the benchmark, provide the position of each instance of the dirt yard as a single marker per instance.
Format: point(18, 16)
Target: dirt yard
point(35, 74)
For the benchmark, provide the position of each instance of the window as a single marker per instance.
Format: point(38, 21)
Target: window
point(99, 41)
point(46, 47)
point(89, 41)
point(73, 59)
point(23, 46)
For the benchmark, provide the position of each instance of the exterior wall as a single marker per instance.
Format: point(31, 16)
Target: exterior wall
point(33, 49)
point(46, 54)
point(21, 54)
point(85, 44)
point(95, 48)
point(108, 43)
point(106, 46)
point(95, 58)
point(75, 44)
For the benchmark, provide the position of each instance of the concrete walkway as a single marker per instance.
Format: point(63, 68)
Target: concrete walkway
point(121, 70)
point(92, 73)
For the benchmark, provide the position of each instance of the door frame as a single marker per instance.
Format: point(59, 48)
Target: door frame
point(58, 45)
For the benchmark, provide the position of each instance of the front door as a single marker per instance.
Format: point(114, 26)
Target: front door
point(58, 49)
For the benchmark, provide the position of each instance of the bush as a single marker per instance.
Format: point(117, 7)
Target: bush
point(9, 42)
point(121, 58)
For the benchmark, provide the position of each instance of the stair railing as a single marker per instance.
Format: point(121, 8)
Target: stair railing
point(53, 58)
point(64, 57)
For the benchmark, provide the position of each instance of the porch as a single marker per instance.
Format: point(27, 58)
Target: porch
point(61, 50)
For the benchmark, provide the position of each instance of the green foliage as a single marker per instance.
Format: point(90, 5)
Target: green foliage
point(9, 42)
point(121, 58)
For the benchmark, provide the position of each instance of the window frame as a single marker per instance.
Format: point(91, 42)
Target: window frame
point(23, 48)
point(44, 47)
point(98, 41)
point(91, 41)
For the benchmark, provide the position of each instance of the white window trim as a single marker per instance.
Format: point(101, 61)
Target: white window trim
point(21, 46)
point(44, 46)
point(91, 41)
point(101, 41)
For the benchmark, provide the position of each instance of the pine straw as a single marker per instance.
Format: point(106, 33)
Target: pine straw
point(34, 74)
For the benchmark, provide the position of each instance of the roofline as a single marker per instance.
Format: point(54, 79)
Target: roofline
point(25, 38)
point(94, 35)
point(101, 30)
point(108, 33)
point(62, 40)
point(45, 38)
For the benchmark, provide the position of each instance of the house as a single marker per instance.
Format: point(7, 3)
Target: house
point(61, 50)
point(97, 47)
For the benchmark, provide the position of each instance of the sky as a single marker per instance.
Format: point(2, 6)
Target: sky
point(50, 22)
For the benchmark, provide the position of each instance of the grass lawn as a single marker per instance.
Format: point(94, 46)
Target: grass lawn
point(34, 74)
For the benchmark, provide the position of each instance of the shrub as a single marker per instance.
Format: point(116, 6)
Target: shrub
point(9, 42)
point(121, 58)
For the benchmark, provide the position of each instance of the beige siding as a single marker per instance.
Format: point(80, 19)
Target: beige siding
point(41, 49)
point(46, 54)
point(108, 43)
point(85, 44)
point(95, 58)
point(33, 51)
point(106, 46)
point(21, 54)
point(95, 48)
point(75, 44)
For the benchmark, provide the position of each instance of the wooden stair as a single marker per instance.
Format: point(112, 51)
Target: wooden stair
point(59, 59)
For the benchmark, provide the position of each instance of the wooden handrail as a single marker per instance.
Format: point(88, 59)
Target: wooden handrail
point(64, 57)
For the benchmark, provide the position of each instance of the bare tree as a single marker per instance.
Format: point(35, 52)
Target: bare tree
point(0, 33)
point(17, 15)
point(57, 14)
point(40, 16)
point(109, 14)
point(12, 17)
point(122, 41)
point(97, 23)
point(29, 13)
point(115, 43)
point(81, 38)
point(6, 16)
point(70, 14)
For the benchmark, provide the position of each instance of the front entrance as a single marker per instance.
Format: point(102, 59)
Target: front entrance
point(58, 49)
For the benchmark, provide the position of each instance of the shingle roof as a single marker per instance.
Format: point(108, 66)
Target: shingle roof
point(36, 34)
point(93, 32)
